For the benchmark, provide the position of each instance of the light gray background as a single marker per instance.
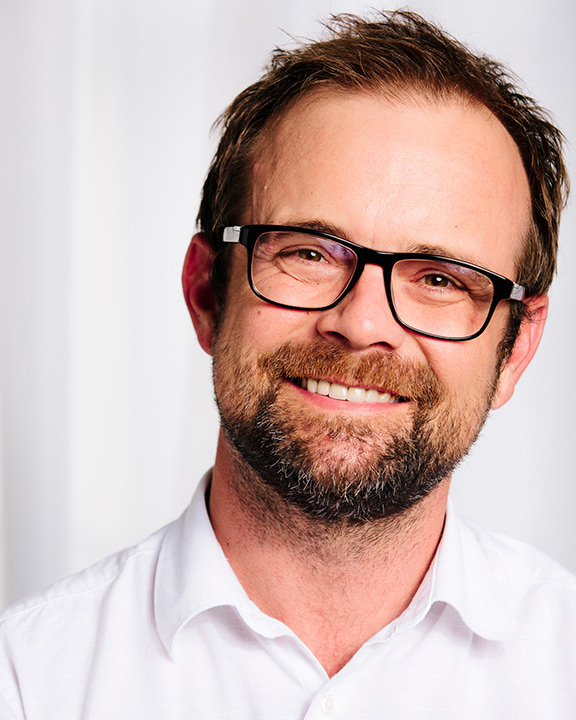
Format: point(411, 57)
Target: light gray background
point(106, 412)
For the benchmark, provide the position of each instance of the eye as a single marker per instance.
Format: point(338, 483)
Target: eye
point(309, 254)
point(437, 281)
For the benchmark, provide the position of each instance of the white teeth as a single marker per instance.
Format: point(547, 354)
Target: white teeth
point(310, 385)
point(372, 396)
point(342, 392)
point(338, 392)
point(356, 394)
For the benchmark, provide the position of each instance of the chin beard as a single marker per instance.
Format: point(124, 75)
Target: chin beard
point(340, 470)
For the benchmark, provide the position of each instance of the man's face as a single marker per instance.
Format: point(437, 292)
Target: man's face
point(397, 176)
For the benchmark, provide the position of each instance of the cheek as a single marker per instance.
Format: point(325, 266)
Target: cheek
point(256, 324)
point(466, 370)
point(251, 322)
point(271, 327)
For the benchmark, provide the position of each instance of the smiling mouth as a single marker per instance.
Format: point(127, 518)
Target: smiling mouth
point(354, 394)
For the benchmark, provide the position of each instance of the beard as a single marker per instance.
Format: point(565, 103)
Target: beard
point(338, 468)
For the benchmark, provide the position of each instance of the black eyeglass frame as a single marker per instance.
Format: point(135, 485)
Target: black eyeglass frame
point(247, 235)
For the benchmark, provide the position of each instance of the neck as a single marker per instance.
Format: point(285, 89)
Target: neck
point(314, 576)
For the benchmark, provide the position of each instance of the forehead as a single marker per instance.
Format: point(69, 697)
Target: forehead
point(396, 174)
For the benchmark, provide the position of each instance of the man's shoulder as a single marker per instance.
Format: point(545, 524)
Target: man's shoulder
point(129, 572)
point(529, 577)
point(528, 561)
point(50, 641)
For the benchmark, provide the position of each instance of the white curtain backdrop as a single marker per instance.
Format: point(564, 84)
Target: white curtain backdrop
point(106, 412)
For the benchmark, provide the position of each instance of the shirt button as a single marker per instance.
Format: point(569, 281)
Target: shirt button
point(329, 705)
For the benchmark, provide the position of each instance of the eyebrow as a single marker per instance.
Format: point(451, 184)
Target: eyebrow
point(414, 247)
point(321, 226)
point(428, 249)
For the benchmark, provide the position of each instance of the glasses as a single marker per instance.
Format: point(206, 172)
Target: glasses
point(303, 269)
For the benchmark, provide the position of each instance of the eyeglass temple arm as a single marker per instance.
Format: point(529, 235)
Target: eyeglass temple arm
point(231, 234)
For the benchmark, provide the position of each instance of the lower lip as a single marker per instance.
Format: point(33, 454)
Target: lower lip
point(328, 403)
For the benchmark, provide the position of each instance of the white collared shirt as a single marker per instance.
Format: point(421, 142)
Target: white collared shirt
point(164, 631)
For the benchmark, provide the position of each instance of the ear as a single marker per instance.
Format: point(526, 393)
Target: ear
point(198, 291)
point(523, 351)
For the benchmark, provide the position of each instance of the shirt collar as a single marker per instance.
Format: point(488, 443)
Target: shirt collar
point(193, 576)
point(465, 577)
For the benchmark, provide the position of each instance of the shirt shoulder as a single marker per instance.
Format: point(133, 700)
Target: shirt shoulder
point(533, 582)
point(50, 641)
point(528, 562)
point(91, 584)
point(67, 625)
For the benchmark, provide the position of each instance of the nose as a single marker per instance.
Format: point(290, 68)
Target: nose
point(363, 319)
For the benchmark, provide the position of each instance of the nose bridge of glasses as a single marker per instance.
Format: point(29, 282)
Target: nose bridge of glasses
point(380, 258)
point(369, 256)
point(371, 283)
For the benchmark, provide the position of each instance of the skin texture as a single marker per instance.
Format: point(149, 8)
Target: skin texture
point(408, 175)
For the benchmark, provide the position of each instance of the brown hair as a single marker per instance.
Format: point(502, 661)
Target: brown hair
point(397, 53)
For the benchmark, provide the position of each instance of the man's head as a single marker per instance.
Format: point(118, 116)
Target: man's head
point(396, 54)
point(376, 137)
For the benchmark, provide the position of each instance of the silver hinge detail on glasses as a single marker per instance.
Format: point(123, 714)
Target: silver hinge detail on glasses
point(231, 234)
point(518, 292)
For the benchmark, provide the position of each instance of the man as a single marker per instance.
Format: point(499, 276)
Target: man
point(397, 200)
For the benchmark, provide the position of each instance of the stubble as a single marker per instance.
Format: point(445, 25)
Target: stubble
point(337, 469)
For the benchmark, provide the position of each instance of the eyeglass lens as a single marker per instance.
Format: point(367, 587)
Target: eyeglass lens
point(432, 296)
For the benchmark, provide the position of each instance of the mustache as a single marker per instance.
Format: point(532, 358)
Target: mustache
point(384, 371)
